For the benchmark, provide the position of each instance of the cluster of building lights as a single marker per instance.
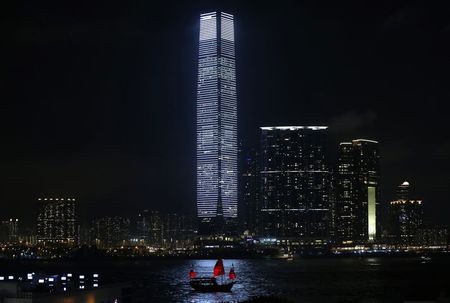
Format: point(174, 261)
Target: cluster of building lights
point(55, 199)
point(50, 281)
point(397, 202)
point(293, 127)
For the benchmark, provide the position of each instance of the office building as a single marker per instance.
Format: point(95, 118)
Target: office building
point(56, 221)
point(405, 217)
point(178, 230)
point(150, 227)
point(9, 231)
point(216, 124)
point(295, 183)
point(432, 236)
point(357, 192)
point(111, 232)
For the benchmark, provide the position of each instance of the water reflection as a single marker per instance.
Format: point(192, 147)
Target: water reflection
point(303, 280)
point(249, 283)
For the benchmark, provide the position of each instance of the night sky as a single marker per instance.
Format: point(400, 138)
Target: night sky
point(99, 100)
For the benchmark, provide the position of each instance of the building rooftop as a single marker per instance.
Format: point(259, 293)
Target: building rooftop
point(365, 140)
point(293, 127)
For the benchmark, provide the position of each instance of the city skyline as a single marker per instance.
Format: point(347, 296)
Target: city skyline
point(111, 145)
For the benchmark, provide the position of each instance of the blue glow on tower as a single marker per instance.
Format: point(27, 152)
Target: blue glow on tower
point(216, 119)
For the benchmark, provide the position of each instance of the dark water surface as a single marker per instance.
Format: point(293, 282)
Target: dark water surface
point(392, 279)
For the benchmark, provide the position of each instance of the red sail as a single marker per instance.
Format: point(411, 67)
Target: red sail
point(232, 274)
point(192, 274)
point(218, 268)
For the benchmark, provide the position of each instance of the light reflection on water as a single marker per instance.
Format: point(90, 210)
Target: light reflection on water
point(310, 280)
point(303, 280)
point(249, 283)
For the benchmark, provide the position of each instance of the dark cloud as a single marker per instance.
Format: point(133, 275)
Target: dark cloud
point(352, 121)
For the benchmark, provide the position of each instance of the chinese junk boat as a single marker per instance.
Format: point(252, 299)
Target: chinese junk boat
point(216, 283)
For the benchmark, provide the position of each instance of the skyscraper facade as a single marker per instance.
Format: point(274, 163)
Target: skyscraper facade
point(9, 231)
point(405, 220)
point(216, 122)
point(405, 217)
point(357, 187)
point(178, 230)
point(111, 231)
point(295, 182)
point(56, 221)
point(402, 191)
point(150, 227)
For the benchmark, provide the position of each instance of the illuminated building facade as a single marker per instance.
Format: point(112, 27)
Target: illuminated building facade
point(357, 192)
point(405, 217)
point(56, 221)
point(216, 123)
point(295, 182)
point(178, 230)
point(111, 231)
point(150, 227)
point(433, 236)
point(402, 191)
point(9, 231)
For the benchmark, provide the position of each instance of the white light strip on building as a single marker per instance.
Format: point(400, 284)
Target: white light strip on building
point(293, 127)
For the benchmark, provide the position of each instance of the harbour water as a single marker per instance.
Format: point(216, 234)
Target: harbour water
point(356, 279)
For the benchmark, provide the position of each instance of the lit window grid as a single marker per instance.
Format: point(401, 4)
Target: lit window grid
point(216, 139)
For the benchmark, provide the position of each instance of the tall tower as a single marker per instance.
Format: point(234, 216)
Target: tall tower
point(402, 191)
point(56, 221)
point(358, 178)
point(216, 123)
point(295, 183)
point(405, 217)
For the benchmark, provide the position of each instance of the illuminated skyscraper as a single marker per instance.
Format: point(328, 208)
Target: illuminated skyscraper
point(357, 187)
point(405, 217)
point(9, 231)
point(402, 191)
point(149, 227)
point(56, 221)
point(295, 183)
point(111, 231)
point(216, 122)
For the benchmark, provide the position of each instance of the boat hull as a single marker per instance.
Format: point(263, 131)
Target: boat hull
point(210, 286)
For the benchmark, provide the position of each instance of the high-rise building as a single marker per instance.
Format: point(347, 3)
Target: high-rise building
point(433, 236)
point(150, 227)
point(56, 221)
point(405, 217)
point(9, 231)
point(357, 192)
point(178, 230)
point(295, 182)
point(216, 123)
point(249, 191)
point(346, 204)
point(402, 191)
point(111, 231)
